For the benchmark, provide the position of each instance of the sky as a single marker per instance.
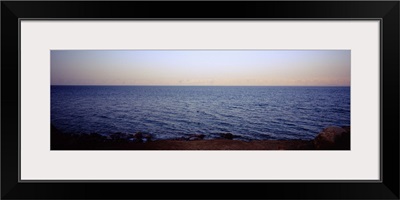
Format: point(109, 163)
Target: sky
point(201, 67)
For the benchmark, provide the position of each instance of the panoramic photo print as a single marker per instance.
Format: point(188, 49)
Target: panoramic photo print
point(200, 99)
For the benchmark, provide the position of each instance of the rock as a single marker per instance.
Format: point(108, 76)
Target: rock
point(228, 136)
point(183, 138)
point(119, 136)
point(116, 136)
point(196, 137)
point(147, 137)
point(201, 136)
point(138, 136)
point(347, 128)
point(333, 138)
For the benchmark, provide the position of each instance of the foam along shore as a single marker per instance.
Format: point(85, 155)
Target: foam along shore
point(330, 138)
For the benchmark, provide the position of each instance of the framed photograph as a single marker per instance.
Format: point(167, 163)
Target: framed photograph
point(120, 99)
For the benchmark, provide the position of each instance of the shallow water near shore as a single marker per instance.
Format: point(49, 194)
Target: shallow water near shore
point(168, 112)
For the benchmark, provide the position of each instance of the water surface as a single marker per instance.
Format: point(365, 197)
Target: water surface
point(167, 112)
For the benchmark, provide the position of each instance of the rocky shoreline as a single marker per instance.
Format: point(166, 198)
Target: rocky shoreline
point(330, 138)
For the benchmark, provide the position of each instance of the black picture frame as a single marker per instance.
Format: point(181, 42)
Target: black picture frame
point(386, 11)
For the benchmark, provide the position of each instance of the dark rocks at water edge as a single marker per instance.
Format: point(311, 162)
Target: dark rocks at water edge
point(95, 141)
point(191, 137)
point(196, 137)
point(333, 138)
point(330, 138)
point(228, 136)
point(132, 137)
point(142, 137)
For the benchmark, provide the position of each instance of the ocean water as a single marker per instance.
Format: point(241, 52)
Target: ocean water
point(166, 112)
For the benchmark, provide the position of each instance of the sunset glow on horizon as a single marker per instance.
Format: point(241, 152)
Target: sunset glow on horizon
point(201, 67)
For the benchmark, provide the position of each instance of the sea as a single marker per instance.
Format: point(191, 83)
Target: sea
point(170, 112)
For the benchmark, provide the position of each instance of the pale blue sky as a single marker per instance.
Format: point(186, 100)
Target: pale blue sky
point(201, 67)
